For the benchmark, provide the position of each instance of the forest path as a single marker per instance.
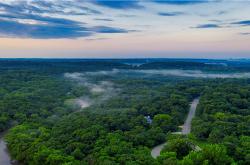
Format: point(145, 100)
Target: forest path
point(186, 128)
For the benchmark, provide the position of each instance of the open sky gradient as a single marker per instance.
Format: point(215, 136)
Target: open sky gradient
point(125, 29)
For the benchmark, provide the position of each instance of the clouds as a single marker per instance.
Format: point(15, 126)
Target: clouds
point(9, 28)
point(170, 14)
point(17, 21)
point(242, 23)
point(46, 6)
point(50, 28)
point(221, 24)
point(103, 19)
point(245, 33)
point(207, 26)
point(182, 2)
point(57, 19)
point(25, 19)
point(120, 4)
point(105, 29)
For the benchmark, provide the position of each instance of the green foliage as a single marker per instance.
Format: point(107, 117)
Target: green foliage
point(223, 117)
point(36, 101)
point(181, 146)
point(211, 155)
point(167, 158)
point(163, 121)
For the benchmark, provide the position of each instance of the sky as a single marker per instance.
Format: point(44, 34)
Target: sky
point(124, 29)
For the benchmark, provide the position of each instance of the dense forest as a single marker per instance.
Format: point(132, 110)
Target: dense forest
point(110, 112)
point(221, 127)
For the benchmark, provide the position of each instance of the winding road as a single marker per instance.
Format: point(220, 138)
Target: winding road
point(186, 128)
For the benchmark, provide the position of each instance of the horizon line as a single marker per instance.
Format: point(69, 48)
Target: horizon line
point(121, 58)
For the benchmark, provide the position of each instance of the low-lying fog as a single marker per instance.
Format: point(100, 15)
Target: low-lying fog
point(173, 72)
point(105, 89)
point(195, 74)
point(102, 89)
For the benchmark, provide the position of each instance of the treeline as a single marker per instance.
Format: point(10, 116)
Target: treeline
point(53, 66)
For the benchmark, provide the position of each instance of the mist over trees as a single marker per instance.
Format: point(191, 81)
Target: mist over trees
point(140, 111)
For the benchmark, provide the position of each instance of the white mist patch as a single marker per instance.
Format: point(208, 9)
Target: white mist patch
point(168, 72)
point(110, 72)
point(97, 89)
point(79, 103)
point(101, 90)
point(102, 87)
point(75, 76)
point(83, 103)
point(195, 73)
